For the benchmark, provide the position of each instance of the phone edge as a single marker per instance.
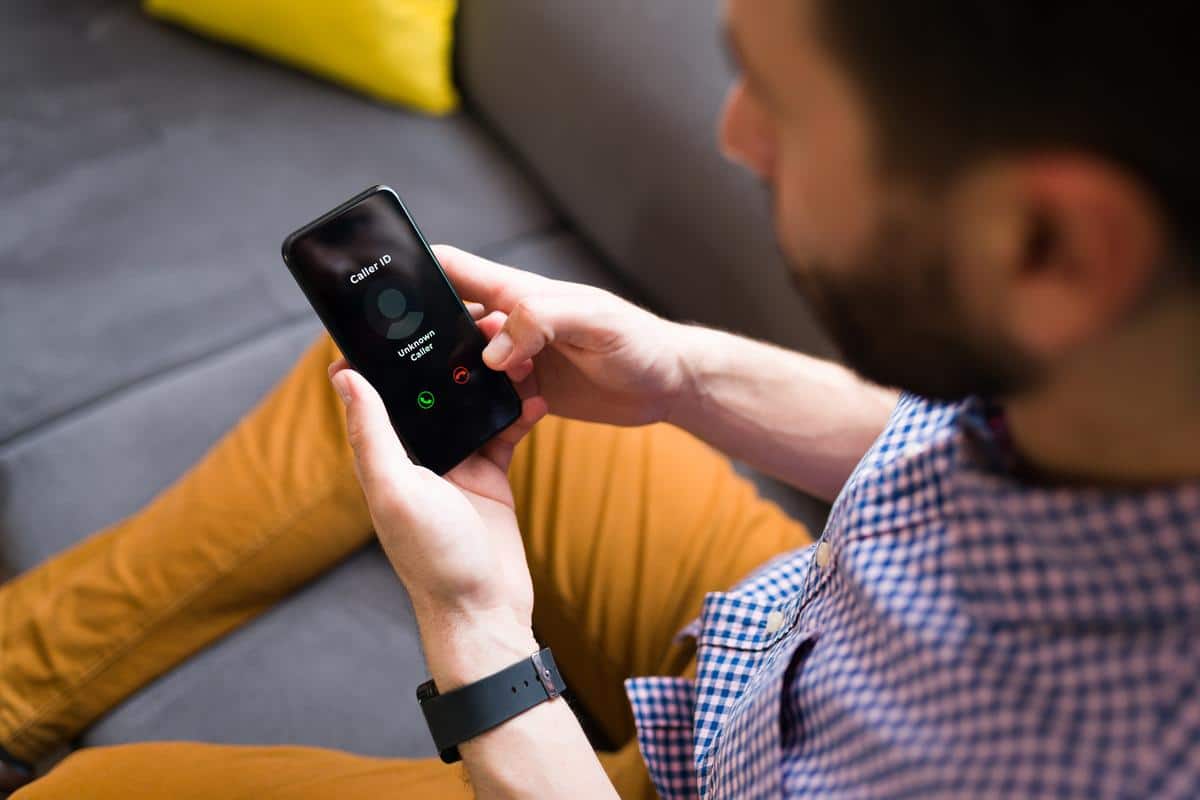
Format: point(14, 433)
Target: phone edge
point(288, 243)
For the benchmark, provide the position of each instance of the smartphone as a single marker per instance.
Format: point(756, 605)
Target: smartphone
point(380, 291)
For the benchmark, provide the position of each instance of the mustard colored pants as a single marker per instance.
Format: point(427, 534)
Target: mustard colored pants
point(626, 529)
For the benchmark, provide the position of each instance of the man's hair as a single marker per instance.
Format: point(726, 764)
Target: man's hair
point(950, 82)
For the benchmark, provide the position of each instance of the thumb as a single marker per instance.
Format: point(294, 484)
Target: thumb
point(379, 458)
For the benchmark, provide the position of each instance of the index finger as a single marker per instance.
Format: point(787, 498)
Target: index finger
point(379, 458)
point(494, 285)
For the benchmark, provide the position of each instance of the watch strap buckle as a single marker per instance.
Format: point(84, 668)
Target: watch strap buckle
point(463, 713)
point(544, 674)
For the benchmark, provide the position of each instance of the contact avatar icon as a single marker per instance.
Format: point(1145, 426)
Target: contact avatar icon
point(389, 314)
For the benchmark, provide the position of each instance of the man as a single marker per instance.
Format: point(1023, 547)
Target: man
point(988, 205)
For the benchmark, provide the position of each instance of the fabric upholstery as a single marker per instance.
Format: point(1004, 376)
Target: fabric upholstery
point(613, 106)
point(149, 179)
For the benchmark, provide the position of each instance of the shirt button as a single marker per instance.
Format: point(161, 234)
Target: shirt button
point(824, 553)
point(774, 621)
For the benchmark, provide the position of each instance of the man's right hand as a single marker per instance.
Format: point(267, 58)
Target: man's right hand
point(593, 355)
point(596, 357)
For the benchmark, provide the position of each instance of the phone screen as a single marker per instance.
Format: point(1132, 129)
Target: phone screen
point(381, 293)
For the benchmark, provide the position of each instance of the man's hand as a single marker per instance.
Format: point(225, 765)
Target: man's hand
point(453, 541)
point(455, 545)
point(589, 353)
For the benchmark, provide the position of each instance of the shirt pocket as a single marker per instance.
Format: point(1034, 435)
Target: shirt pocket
point(664, 709)
point(745, 760)
point(736, 635)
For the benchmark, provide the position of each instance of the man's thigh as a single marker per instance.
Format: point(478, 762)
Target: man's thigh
point(191, 771)
point(626, 530)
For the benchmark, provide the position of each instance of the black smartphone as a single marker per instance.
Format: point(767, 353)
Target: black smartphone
point(375, 283)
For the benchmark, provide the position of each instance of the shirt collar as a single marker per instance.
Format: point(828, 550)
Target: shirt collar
point(1098, 557)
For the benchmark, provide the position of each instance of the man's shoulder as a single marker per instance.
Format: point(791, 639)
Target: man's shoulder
point(916, 424)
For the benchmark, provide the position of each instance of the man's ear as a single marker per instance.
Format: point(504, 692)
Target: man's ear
point(1090, 241)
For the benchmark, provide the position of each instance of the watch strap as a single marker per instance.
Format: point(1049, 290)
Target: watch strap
point(466, 712)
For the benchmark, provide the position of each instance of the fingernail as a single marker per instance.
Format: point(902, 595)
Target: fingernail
point(341, 385)
point(498, 349)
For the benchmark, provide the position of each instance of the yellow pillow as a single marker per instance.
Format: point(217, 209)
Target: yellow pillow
point(398, 51)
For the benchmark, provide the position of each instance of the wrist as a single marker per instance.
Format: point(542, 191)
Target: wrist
point(689, 349)
point(462, 647)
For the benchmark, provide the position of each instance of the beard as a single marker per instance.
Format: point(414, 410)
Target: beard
point(897, 321)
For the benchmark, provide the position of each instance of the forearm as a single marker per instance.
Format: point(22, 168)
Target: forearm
point(540, 753)
point(803, 420)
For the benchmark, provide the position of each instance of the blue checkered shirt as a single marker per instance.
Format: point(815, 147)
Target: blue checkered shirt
point(954, 633)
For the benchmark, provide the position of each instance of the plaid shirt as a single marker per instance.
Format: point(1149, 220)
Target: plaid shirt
point(953, 633)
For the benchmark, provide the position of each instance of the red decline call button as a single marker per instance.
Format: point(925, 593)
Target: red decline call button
point(460, 375)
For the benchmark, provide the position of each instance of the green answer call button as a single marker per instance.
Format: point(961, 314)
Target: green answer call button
point(425, 399)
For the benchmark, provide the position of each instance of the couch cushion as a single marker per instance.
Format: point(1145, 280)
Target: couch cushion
point(562, 255)
point(147, 181)
point(614, 106)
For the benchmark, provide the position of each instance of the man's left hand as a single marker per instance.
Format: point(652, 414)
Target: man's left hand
point(452, 540)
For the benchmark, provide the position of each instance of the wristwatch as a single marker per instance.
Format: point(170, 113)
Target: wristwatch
point(466, 712)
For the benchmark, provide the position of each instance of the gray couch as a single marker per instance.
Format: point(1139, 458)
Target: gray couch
point(147, 177)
